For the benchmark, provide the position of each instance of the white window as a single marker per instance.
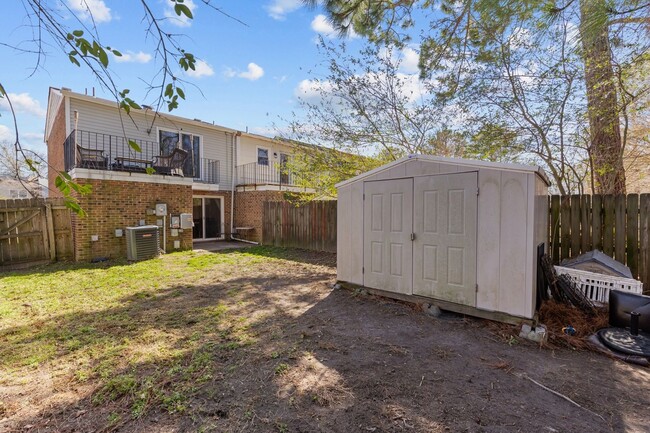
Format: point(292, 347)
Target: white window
point(262, 156)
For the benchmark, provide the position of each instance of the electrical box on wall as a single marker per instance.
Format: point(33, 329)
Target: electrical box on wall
point(186, 221)
point(161, 209)
point(175, 222)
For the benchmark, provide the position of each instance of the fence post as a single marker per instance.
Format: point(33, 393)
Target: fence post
point(50, 231)
point(644, 250)
point(632, 234)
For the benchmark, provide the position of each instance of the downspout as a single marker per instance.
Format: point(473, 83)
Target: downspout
point(235, 143)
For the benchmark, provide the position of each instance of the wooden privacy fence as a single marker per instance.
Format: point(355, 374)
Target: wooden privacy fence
point(311, 226)
point(618, 225)
point(34, 231)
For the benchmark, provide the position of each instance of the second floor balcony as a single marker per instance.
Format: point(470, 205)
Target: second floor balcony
point(98, 151)
point(271, 174)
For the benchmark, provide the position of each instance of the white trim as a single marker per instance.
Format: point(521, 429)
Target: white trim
point(68, 131)
point(54, 101)
point(246, 188)
point(125, 176)
point(458, 161)
point(222, 199)
point(205, 186)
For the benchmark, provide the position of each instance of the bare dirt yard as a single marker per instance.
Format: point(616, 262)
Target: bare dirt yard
point(257, 340)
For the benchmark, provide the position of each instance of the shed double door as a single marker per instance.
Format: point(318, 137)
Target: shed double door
point(420, 236)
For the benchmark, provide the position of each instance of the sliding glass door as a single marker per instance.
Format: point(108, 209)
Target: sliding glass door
point(208, 218)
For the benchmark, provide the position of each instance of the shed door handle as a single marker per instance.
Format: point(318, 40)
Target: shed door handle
point(412, 236)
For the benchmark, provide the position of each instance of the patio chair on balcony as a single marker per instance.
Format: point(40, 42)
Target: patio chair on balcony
point(91, 158)
point(171, 164)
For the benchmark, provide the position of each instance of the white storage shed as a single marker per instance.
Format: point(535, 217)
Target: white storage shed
point(458, 233)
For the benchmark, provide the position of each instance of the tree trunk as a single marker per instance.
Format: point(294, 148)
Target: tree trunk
point(604, 123)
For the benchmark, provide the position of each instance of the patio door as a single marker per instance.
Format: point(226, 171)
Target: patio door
point(208, 218)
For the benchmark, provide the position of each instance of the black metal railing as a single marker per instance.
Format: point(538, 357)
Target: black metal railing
point(95, 150)
point(271, 174)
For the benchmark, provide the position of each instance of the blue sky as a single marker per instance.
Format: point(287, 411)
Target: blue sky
point(249, 74)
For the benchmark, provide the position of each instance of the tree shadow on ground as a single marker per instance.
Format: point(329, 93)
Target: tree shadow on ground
point(292, 355)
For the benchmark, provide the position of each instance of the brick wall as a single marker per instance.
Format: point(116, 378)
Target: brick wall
point(249, 207)
point(119, 204)
point(55, 158)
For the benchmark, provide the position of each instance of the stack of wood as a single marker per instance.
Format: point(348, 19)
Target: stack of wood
point(564, 290)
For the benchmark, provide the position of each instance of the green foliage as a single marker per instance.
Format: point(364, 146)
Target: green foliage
point(64, 183)
point(182, 9)
point(88, 48)
point(517, 67)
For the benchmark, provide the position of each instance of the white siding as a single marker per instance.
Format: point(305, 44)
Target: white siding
point(247, 151)
point(102, 119)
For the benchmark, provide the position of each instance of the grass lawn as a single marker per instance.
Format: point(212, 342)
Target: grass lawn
point(141, 334)
point(258, 340)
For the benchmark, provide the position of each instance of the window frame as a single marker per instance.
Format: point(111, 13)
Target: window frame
point(268, 159)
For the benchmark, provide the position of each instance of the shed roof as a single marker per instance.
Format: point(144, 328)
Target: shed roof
point(457, 161)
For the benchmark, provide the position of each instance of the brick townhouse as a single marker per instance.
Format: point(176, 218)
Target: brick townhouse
point(219, 175)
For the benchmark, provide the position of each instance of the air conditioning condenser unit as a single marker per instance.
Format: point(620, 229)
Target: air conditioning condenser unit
point(142, 242)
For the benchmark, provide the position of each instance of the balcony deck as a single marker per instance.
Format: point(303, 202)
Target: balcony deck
point(273, 174)
point(105, 152)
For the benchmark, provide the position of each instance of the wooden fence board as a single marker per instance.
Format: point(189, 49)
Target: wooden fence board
point(608, 225)
point(616, 225)
point(632, 233)
point(597, 222)
point(311, 226)
point(555, 226)
point(644, 241)
point(31, 232)
point(585, 224)
point(565, 226)
point(620, 232)
point(576, 239)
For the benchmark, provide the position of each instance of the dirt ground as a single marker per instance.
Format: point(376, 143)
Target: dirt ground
point(334, 360)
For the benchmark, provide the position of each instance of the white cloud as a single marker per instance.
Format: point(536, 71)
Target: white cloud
point(23, 103)
point(279, 9)
point(321, 25)
point(86, 9)
point(202, 69)
point(182, 20)
point(312, 90)
point(410, 59)
point(131, 57)
point(254, 72)
point(33, 135)
point(6, 134)
point(407, 58)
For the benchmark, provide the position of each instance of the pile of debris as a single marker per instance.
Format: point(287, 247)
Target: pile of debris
point(577, 314)
point(564, 290)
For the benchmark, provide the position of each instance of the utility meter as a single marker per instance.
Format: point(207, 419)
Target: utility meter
point(161, 209)
point(175, 222)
